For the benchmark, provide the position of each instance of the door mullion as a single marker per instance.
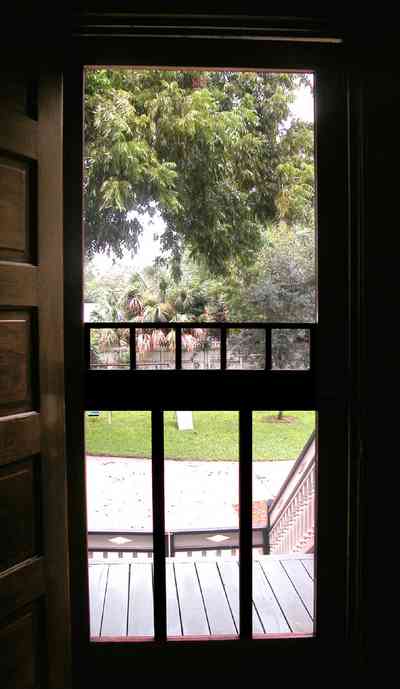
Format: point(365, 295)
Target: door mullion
point(132, 347)
point(157, 443)
point(245, 523)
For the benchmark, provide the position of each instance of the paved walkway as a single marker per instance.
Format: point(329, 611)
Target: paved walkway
point(198, 494)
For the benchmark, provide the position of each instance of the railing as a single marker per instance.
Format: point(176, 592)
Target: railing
point(291, 513)
point(289, 527)
point(140, 543)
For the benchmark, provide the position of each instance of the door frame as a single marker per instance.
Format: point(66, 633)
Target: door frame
point(338, 331)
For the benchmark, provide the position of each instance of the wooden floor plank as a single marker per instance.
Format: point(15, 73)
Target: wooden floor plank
point(97, 589)
point(229, 571)
point(283, 593)
point(141, 603)
point(219, 615)
point(116, 602)
point(257, 626)
point(309, 565)
point(194, 621)
point(301, 581)
point(289, 600)
point(174, 627)
point(268, 609)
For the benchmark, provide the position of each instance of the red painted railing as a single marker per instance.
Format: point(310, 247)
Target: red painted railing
point(292, 512)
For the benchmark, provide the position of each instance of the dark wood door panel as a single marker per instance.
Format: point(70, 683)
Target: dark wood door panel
point(17, 92)
point(19, 437)
point(21, 585)
point(17, 209)
point(19, 513)
point(12, 206)
point(16, 350)
point(33, 552)
point(19, 643)
point(18, 284)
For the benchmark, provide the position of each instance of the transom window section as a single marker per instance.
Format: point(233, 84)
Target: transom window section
point(218, 347)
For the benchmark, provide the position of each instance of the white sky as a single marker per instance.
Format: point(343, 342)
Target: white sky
point(147, 251)
point(303, 108)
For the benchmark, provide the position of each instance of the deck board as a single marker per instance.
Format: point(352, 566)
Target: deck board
point(309, 565)
point(202, 597)
point(269, 611)
point(219, 615)
point(141, 607)
point(289, 600)
point(97, 591)
point(174, 627)
point(193, 615)
point(116, 601)
point(230, 576)
point(229, 572)
point(300, 579)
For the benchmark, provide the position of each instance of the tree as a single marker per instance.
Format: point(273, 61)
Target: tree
point(233, 179)
point(212, 152)
point(133, 297)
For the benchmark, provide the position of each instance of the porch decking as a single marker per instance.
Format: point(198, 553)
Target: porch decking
point(202, 597)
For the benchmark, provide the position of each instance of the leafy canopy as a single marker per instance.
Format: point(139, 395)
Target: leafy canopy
point(214, 153)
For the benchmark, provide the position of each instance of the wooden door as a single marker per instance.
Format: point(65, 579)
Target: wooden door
point(34, 629)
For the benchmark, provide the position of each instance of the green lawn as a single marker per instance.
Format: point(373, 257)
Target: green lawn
point(215, 436)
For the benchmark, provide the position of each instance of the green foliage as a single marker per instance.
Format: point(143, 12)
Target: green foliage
point(212, 152)
point(283, 281)
point(233, 179)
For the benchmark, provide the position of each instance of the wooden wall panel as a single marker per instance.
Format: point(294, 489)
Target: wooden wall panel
point(14, 210)
point(19, 513)
point(15, 362)
point(18, 658)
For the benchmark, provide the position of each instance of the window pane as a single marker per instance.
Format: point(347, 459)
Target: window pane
point(284, 470)
point(202, 523)
point(120, 529)
point(290, 349)
point(109, 348)
point(155, 348)
point(201, 348)
point(246, 349)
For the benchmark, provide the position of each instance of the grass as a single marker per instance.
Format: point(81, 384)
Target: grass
point(215, 435)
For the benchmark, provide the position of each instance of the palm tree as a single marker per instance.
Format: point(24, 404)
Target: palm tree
point(109, 345)
point(133, 299)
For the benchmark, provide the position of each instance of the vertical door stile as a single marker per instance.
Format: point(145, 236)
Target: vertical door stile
point(51, 369)
point(132, 347)
point(245, 522)
point(157, 470)
point(268, 349)
point(178, 349)
point(223, 348)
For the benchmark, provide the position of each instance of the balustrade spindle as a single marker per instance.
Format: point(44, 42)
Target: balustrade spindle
point(293, 529)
